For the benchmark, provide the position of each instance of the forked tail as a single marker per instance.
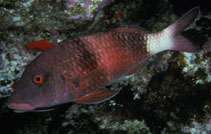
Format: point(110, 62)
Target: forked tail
point(170, 38)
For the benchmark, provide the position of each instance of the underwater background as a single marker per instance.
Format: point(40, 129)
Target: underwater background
point(171, 94)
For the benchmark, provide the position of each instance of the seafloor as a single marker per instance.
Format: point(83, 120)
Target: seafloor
point(171, 94)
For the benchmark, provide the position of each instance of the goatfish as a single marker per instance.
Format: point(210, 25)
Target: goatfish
point(78, 69)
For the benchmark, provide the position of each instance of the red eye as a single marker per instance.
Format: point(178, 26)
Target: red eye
point(38, 79)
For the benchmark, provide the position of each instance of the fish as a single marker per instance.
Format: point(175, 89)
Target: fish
point(78, 69)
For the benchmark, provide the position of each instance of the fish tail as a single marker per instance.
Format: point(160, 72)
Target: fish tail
point(170, 38)
point(180, 43)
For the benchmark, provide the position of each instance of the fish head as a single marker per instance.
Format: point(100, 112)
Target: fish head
point(36, 88)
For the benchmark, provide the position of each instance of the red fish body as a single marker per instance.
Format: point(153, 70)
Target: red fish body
point(76, 70)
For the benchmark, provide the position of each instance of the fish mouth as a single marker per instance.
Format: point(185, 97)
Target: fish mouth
point(22, 107)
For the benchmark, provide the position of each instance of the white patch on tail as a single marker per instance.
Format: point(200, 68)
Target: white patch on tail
point(159, 42)
point(170, 38)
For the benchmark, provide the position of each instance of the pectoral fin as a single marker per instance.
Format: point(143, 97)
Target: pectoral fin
point(96, 96)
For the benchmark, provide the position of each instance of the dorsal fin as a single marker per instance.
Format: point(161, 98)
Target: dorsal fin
point(129, 30)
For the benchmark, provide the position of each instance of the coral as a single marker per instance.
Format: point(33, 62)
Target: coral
point(85, 9)
point(197, 65)
point(101, 118)
point(13, 60)
point(198, 127)
point(74, 112)
point(128, 126)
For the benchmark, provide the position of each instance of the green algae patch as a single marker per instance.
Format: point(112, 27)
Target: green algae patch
point(129, 126)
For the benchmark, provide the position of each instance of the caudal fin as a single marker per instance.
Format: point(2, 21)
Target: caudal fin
point(170, 38)
point(178, 42)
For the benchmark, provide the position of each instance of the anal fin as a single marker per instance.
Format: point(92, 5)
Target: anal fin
point(96, 96)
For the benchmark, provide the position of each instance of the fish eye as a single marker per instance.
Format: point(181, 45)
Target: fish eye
point(38, 79)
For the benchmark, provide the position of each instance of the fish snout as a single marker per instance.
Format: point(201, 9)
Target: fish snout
point(21, 106)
